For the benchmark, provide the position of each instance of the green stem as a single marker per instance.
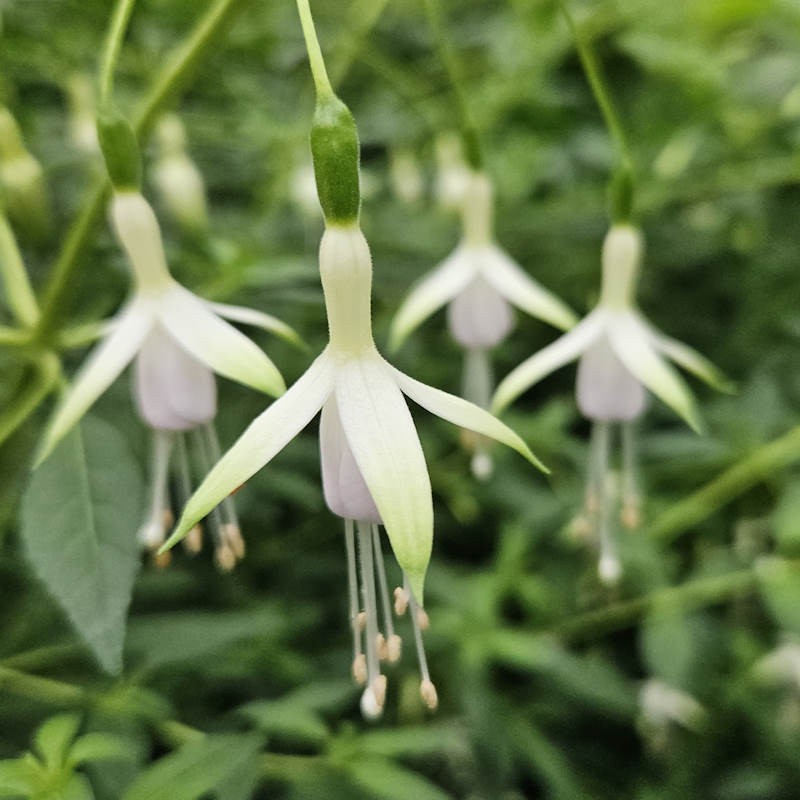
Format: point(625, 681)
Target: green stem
point(179, 64)
point(318, 70)
point(45, 690)
point(116, 33)
point(759, 465)
point(686, 597)
point(21, 300)
point(467, 127)
point(622, 182)
point(46, 375)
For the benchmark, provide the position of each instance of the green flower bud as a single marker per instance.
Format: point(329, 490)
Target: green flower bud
point(335, 151)
point(120, 150)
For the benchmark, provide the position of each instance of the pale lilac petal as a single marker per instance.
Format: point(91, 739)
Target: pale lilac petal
point(605, 390)
point(173, 390)
point(479, 316)
point(345, 490)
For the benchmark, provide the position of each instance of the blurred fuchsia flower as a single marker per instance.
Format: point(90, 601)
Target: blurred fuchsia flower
point(621, 355)
point(479, 282)
point(178, 342)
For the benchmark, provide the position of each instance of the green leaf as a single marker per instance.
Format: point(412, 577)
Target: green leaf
point(391, 782)
point(99, 747)
point(18, 776)
point(53, 738)
point(786, 520)
point(80, 515)
point(196, 769)
point(779, 582)
point(77, 788)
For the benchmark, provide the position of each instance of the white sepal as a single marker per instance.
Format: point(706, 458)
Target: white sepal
point(630, 342)
point(524, 292)
point(464, 414)
point(258, 319)
point(432, 292)
point(216, 343)
point(384, 442)
point(266, 436)
point(103, 366)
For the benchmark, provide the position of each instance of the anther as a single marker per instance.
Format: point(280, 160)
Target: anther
point(162, 560)
point(224, 557)
point(361, 620)
point(233, 536)
point(193, 543)
point(400, 601)
point(380, 645)
point(609, 569)
point(631, 515)
point(379, 688)
point(359, 669)
point(423, 620)
point(394, 647)
point(428, 693)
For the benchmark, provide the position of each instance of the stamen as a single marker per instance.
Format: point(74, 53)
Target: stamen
point(609, 567)
point(193, 543)
point(631, 514)
point(477, 386)
point(230, 520)
point(426, 688)
point(152, 532)
point(368, 599)
point(389, 648)
point(359, 661)
point(224, 554)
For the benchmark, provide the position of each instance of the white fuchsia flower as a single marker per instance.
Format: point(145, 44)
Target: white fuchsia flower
point(373, 469)
point(479, 282)
point(621, 355)
point(178, 336)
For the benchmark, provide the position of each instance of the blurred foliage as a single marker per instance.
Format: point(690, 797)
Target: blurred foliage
point(234, 685)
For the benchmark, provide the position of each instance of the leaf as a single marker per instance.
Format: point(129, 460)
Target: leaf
point(80, 515)
point(99, 747)
point(53, 738)
point(163, 639)
point(196, 769)
point(779, 583)
point(786, 520)
point(18, 776)
point(390, 782)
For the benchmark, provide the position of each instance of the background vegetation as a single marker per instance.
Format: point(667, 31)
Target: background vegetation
point(235, 685)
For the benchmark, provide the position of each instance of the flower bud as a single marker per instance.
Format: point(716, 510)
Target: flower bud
point(120, 150)
point(335, 150)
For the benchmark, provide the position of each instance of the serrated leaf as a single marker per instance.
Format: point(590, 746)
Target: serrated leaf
point(196, 769)
point(54, 736)
point(80, 515)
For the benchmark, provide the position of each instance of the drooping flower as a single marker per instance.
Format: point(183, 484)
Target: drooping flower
point(405, 175)
point(163, 314)
point(373, 468)
point(621, 355)
point(479, 282)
